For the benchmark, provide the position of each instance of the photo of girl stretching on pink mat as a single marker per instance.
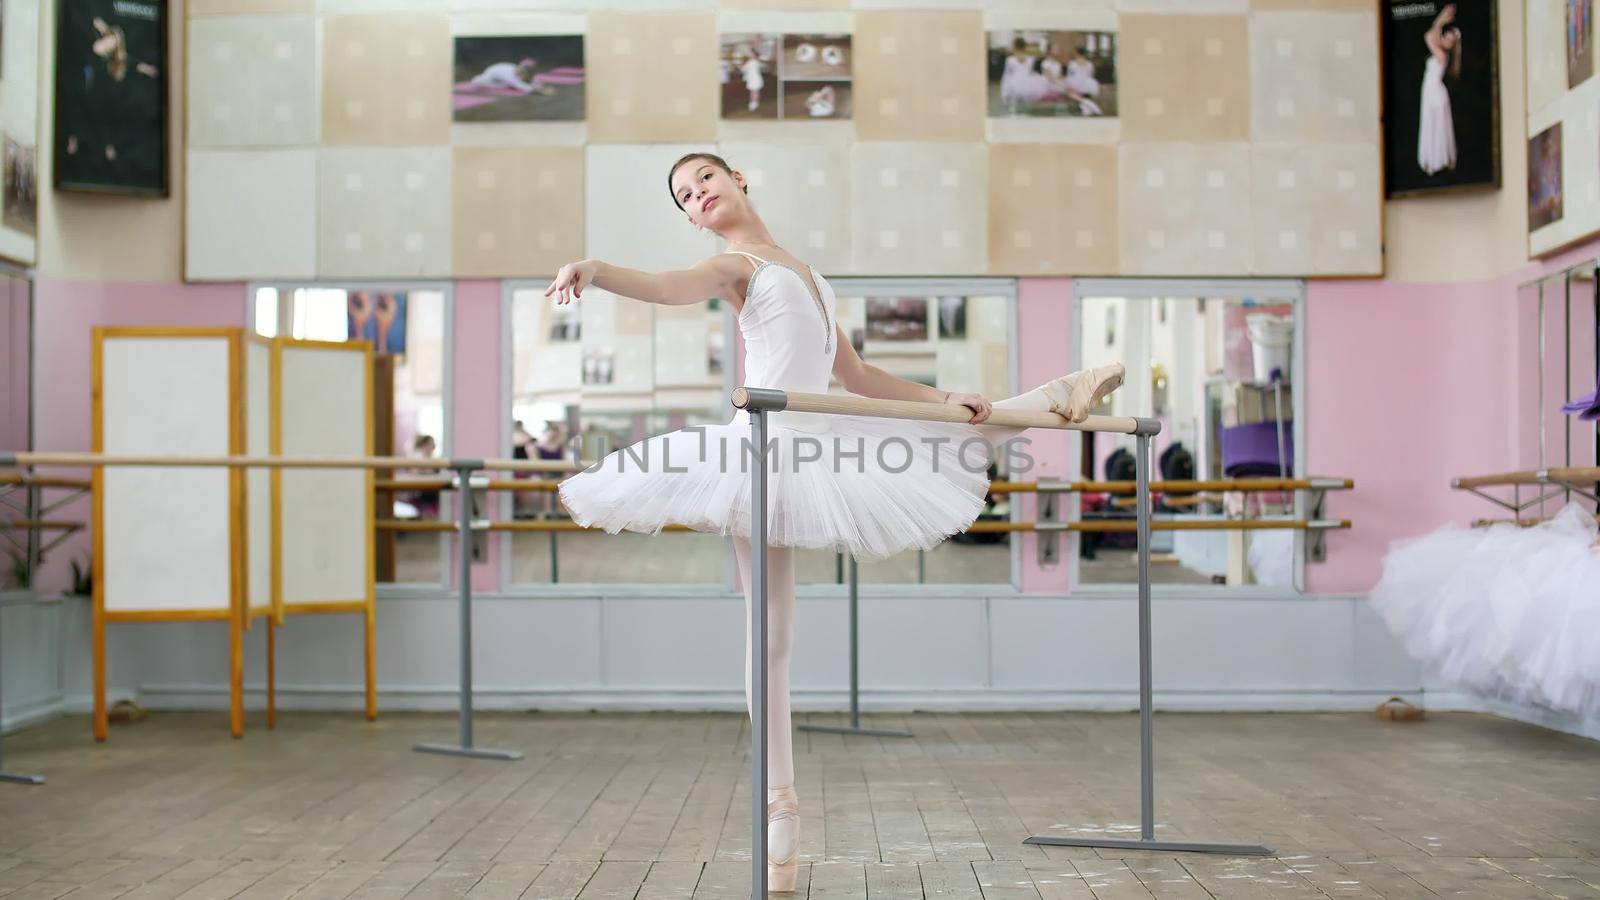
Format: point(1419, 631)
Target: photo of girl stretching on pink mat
point(513, 79)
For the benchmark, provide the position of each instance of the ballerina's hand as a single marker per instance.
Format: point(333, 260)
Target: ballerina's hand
point(981, 407)
point(570, 281)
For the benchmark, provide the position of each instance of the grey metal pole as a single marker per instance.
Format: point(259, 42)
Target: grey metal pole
point(35, 505)
point(11, 777)
point(1147, 803)
point(855, 647)
point(464, 628)
point(855, 673)
point(1147, 819)
point(758, 666)
point(464, 747)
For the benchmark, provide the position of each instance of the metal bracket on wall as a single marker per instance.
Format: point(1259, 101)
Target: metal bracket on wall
point(1049, 519)
point(1317, 527)
point(478, 496)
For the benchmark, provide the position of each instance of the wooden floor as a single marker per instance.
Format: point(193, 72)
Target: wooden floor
point(655, 806)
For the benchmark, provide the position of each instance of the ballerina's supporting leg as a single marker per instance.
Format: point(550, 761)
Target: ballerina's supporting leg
point(1072, 396)
point(783, 815)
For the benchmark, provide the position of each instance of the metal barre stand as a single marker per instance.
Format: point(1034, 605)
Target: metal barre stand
point(855, 676)
point(10, 459)
point(464, 469)
point(1147, 802)
point(12, 777)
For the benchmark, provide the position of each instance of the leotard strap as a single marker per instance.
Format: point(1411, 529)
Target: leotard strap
point(750, 256)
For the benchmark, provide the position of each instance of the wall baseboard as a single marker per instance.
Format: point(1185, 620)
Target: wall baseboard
point(1463, 701)
point(440, 698)
point(430, 698)
point(20, 715)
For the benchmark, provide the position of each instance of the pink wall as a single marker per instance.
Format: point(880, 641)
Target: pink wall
point(1407, 386)
point(477, 410)
point(65, 312)
point(1044, 351)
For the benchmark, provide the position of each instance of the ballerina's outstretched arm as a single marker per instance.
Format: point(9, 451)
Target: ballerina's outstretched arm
point(709, 279)
point(864, 379)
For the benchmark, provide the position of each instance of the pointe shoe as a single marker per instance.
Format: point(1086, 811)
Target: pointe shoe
point(1072, 396)
point(783, 862)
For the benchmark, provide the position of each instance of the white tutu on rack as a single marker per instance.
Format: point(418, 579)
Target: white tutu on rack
point(860, 485)
point(1507, 612)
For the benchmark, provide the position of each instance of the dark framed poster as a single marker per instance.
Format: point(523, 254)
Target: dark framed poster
point(111, 96)
point(1441, 96)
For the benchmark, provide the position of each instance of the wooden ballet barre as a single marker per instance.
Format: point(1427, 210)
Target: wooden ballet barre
point(39, 525)
point(1095, 525)
point(408, 525)
point(1578, 480)
point(1177, 486)
point(91, 460)
point(1118, 525)
point(525, 526)
point(1564, 476)
point(830, 404)
point(46, 481)
point(445, 484)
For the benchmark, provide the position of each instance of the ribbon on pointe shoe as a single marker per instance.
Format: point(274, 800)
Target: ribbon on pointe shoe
point(1074, 395)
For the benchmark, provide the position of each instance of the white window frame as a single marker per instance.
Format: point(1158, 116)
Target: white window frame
point(446, 289)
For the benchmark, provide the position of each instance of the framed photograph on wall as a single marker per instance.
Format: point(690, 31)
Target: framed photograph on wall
point(111, 97)
point(1441, 96)
point(1580, 41)
point(816, 76)
point(1545, 193)
point(748, 71)
point(1052, 72)
point(518, 79)
point(378, 317)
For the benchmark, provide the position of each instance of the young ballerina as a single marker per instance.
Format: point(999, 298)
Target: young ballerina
point(1020, 83)
point(857, 484)
point(1436, 130)
point(1073, 79)
point(753, 80)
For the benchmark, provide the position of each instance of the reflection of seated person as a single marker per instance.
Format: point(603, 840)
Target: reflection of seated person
point(522, 502)
point(424, 503)
point(519, 76)
point(1073, 79)
point(1120, 466)
point(552, 445)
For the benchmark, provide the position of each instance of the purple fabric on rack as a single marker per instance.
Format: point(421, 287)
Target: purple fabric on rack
point(1587, 406)
point(1252, 450)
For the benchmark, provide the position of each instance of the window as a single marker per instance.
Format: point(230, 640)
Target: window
point(407, 325)
point(1218, 365)
point(607, 372)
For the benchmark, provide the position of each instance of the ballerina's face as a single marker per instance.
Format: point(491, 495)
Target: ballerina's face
point(707, 193)
point(1448, 39)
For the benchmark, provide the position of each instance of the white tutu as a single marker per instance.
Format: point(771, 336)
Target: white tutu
point(1507, 612)
point(912, 483)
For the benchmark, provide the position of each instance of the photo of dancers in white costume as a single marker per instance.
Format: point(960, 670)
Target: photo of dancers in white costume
point(1052, 73)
